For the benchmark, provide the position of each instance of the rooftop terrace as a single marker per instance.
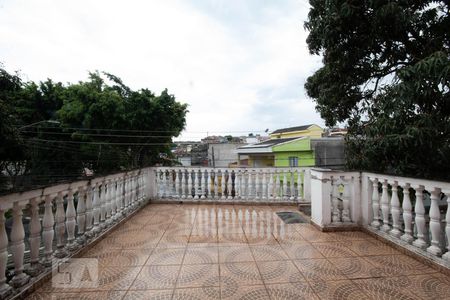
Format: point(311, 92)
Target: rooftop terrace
point(208, 251)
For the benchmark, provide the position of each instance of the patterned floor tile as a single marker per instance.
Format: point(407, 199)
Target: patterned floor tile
point(356, 267)
point(279, 272)
point(268, 252)
point(170, 256)
point(301, 250)
point(335, 249)
point(339, 290)
point(430, 286)
point(203, 238)
point(385, 288)
point(314, 235)
point(122, 257)
point(201, 293)
point(156, 277)
point(209, 255)
point(314, 269)
point(350, 235)
point(245, 273)
point(290, 292)
point(256, 292)
point(198, 276)
point(137, 241)
point(106, 295)
point(149, 294)
point(394, 265)
point(366, 248)
point(235, 254)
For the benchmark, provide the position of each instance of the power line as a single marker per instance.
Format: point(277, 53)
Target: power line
point(106, 143)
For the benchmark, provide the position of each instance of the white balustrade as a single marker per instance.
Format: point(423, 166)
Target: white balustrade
point(83, 201)
point(413, 213)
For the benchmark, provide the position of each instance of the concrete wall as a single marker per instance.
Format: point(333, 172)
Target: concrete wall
point(224, 154)
point(329, 152)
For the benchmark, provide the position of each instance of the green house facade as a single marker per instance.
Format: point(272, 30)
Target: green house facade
point(296, 153)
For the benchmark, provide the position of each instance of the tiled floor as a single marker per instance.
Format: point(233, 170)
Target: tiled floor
point(240, 252)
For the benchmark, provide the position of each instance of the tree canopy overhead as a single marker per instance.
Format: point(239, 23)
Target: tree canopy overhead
point(52, 131)
point(386, 74)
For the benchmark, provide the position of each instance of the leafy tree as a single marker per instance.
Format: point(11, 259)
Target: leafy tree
point(386, 74)
point(50, 131)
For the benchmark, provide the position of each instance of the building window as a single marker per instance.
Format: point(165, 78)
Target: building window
point(293, 161)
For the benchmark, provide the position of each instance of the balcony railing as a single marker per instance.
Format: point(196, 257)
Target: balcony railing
point(63, 219)
point(269, 185)
point(412, 213)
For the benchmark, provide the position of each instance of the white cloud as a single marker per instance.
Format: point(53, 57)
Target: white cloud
point(239, 65)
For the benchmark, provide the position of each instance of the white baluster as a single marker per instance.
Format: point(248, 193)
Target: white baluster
point(292, 188)
point(81, 216)
point(419, 209)
point(89, 212)
point(257, 191)
point(270, 187)
point(300, 176)
point(237, 185)
point(216, 184)
point(277, 185)
point(446, 255)
point(407, 215)
point(196, 184)
point(121, 203)
point(222, 184)
point(177, 183)
point(229, 185)
point(48, 232)
point(285, 186)
point(5, 289)
point(164, 184)
point(17, 248)
point(113, 204)
point(103, 196)
point(385, 207)
point(209, 186)
point(435, 224)
point(395, 211)
point(183, 183)
point(264, 184)
point(203, 184)
point(108, 200)
point(375, 204)
point(190, 173)
point(71, 222)
point(158, 184)
point(250, 189)
point(96, 211)
point(346, 202)
point(60, 227)
point(34, 239)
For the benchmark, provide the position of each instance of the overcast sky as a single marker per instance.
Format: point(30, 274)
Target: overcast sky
point(239, 64)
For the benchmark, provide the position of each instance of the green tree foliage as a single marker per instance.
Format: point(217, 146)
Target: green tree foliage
point(386, 74)
point(51, 131)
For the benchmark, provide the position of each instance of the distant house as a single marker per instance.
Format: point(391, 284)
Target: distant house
point(311, 130)
point(300, 146)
